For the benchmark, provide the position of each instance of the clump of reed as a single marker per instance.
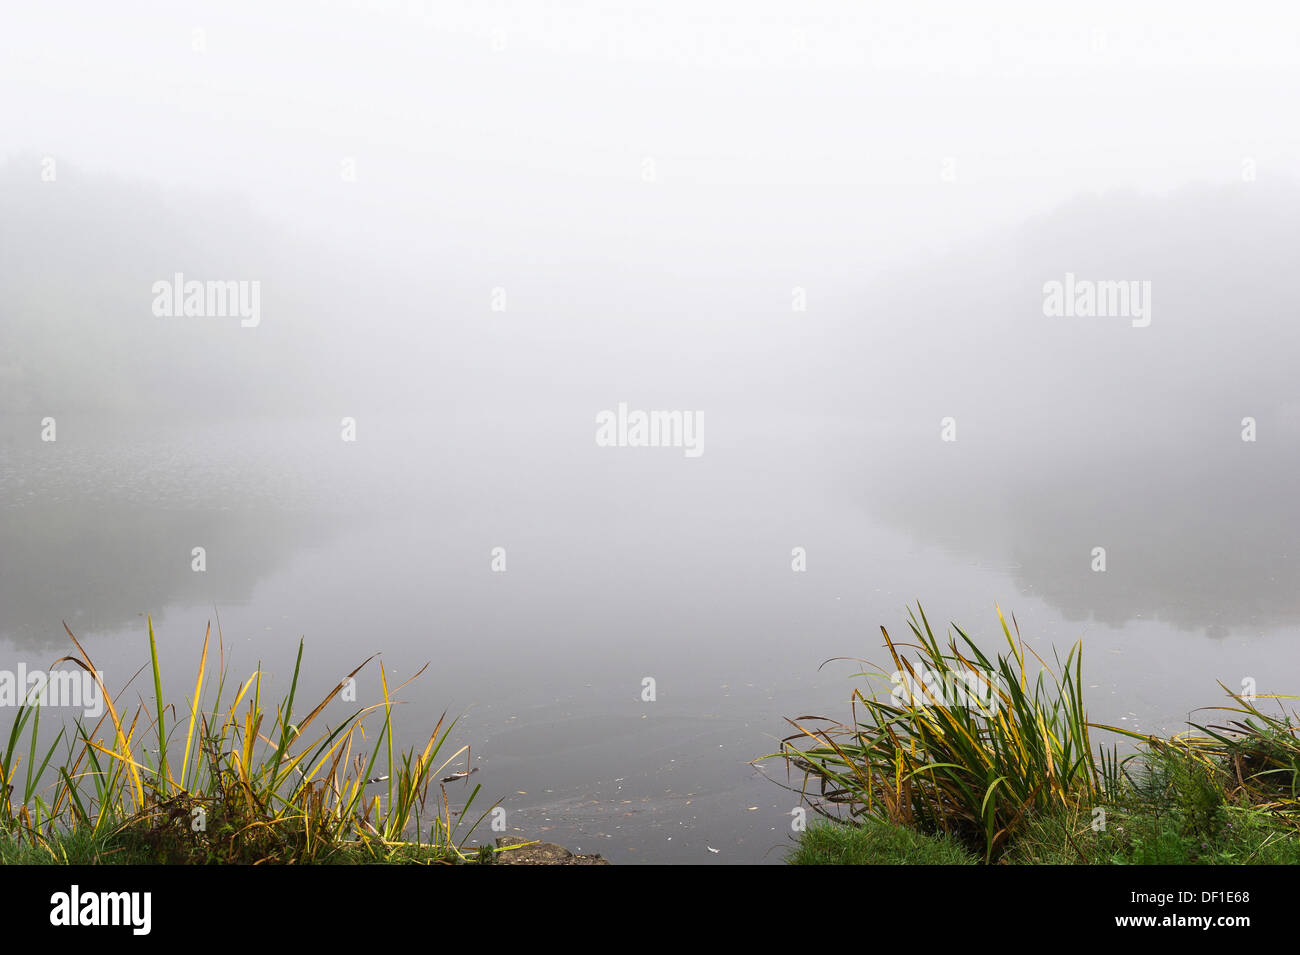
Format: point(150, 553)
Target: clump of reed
point(1261, 750)
point(240, 782)
point(1252, 758)
point(987, 748)
point(971, 746)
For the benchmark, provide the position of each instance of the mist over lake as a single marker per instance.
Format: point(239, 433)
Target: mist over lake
point(485, 243)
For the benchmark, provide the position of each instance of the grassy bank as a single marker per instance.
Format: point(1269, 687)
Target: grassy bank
point(993, 754)
point(135, 844)
point(225, 778)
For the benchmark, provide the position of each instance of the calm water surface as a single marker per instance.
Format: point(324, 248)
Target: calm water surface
point(623, 564)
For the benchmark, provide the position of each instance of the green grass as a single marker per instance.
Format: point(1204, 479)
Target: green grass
point(72, 848)
point(1174, 810)
point(229, 779)
point(1008, 771)
point(874, 842)
point(127, 846)
point(1137, 835)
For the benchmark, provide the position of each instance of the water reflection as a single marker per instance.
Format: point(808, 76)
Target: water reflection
point(1075, 433)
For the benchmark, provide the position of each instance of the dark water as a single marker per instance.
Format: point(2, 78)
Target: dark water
point(623, 564)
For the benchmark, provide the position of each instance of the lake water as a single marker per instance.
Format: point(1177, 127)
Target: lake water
point(628, 563)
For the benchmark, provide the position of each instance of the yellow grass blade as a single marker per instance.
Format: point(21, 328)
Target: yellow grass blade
point(194, 708)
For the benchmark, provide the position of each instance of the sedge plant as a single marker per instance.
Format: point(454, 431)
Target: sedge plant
point(233, 779)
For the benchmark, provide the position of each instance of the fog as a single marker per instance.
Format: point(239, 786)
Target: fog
point(829, 232)
point(646, 188)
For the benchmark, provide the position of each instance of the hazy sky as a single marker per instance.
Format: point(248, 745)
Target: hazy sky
point(527, 124)
point(648, 182)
